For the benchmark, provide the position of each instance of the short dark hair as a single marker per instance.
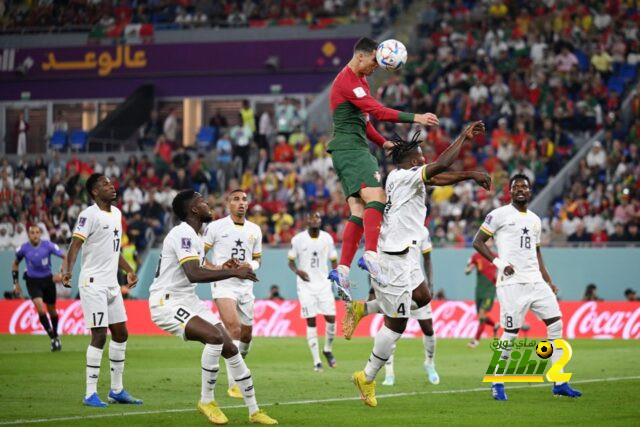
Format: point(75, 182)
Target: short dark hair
point(629, 291)
point(519, 176)
point(91, 182)
point(237, 190)
point(181, 203)
point(365, 44)
point(403, 149)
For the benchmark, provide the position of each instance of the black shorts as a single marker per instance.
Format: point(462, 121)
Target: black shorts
point(42, 288)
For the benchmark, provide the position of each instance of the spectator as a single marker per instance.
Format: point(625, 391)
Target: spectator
point(182, 181)
point(566, 61)
point(265, 129)
point(274, 293)
point(283, 152)
point(602, 62)
point(580, 235)
point(132, 198)
point(285, 116)
point(630, 295)
point(591, 293)
point(181, 159)
point(163, 153)
point(22, 128)
point(151, 130)
point(170, 128)
point(242, 136)
point(60, 124)
point(633, 233)
point(619, 234)
point(112, 170)
point(597, 158)
point(248, 117)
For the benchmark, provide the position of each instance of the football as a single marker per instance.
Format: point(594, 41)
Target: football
point(391, 55)
point(544, 349)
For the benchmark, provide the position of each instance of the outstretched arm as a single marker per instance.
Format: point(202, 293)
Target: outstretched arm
point(447, 178)
point(449, 155)
point(197, 274)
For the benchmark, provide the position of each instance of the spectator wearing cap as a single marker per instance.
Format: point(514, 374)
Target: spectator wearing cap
point(630, 295)
point(591, 293)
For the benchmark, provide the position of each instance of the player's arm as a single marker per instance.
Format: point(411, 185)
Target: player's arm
point(449, 155)
point(359, 97)
point(197, 274)
point(256, 253)
point(480, 245)
point(543, 270)
point(470, 266)
point(300, 273)
point(428, 268)
point(448, 178)
point(72, 254)
point(14, 275)
point(132, 278)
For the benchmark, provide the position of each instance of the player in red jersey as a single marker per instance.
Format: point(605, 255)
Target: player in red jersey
point(351, 105)
point(485, 293)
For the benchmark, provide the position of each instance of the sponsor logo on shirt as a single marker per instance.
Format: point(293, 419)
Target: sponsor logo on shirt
point(359, 92)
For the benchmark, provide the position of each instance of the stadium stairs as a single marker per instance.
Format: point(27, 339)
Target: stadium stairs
point(116, 130)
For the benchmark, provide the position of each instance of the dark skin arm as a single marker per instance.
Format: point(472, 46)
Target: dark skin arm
point(543, 270)
point(72, 254)
point(16, 286)
point(480, 245)
point(132, 279)
point(197, 274)
point(428, 268)
point(302, 274)
point(334, 263)
point(448, 178)
point(449, 155)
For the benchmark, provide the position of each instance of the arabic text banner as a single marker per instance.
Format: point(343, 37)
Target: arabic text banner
point(452, 319)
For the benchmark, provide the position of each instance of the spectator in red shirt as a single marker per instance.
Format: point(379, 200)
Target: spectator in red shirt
point(283, 152)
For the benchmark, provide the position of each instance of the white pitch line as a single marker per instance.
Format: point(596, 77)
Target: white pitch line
point(302, 402)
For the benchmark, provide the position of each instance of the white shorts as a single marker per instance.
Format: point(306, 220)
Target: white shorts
point(515, 299)
point(243, 296)
point(171, 312)
point(314, 303)
point(102, 306)
point(394, 299)
point(422, 313)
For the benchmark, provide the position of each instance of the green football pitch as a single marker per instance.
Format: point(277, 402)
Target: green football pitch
point(46, 388)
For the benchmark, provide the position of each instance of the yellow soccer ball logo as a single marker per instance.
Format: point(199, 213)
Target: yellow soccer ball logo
point(544, 349)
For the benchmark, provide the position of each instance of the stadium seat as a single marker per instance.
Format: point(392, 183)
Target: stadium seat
point(78, 140)
point(204, 138)
point(583, 60)
point(58, 140)
point(627, 72)
point(616, 84)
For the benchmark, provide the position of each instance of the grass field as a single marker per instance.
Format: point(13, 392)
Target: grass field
point(43, 387)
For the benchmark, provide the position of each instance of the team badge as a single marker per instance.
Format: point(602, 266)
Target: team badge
point(186, 243)
point(252, 239)
point(377, 176)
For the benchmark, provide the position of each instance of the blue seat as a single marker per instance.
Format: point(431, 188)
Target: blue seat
point(616, 84)
point(583, 60)
point(58, 140)
point(204, 138)
point(78, 140)
point(627, 72)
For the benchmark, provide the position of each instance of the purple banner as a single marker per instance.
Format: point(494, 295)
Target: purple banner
point(196, 69)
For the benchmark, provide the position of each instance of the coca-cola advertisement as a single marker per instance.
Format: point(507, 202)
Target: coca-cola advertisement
point(452, 319)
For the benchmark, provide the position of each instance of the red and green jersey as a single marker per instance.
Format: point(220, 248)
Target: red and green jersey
point(485, 268)
point(351, 104)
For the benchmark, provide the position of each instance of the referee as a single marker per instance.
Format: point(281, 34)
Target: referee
point(39, 279)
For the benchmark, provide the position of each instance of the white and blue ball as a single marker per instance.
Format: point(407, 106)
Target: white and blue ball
point(391, 55)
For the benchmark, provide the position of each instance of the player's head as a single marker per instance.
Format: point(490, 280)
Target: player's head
point(364, 56)
point(520, 189)
point(314, 220)
point(101, 188)
point(191, 203)
point(407, 154)
point(34, 235)
point(238, 203)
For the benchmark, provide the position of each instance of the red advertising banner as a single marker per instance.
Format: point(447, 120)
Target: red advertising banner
point(452, 319)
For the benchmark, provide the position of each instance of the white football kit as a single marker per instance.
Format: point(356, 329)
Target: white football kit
point(172, 297)
point(517, 236)
point(100, 294)
point(404, 214)
point(312, 256)
point(423, 246)
point(242, 242)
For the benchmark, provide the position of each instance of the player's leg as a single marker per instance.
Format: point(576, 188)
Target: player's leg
point(227, 309)
point(545, 306)
point(514, 303)
point(244, 308)
point(199, 329)
point(94, 306)
point(36, 292)
point(49, 298)
point(327, 307)
point(117, 348)
point(356, 310)
point(312, 342)
point(242, 376)
point(351, 237)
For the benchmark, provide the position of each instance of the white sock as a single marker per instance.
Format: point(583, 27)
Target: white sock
point(210, 366)
point(243, 348)
point(94, 357)
point(388, 367)
point(230, 379)
point(312, 342)
point(372, 307)
point(554, 332)
point(382, 349)
point(242, 375)
point(506, 354)
point(429, 348)
point(116, 362)
point(331, 333)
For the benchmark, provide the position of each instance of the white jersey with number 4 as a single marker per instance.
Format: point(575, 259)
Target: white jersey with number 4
point(405, 210)
point(182, 244)
point(227, 239)
point(517, 235)
point(312, 256)
point(101, 232)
